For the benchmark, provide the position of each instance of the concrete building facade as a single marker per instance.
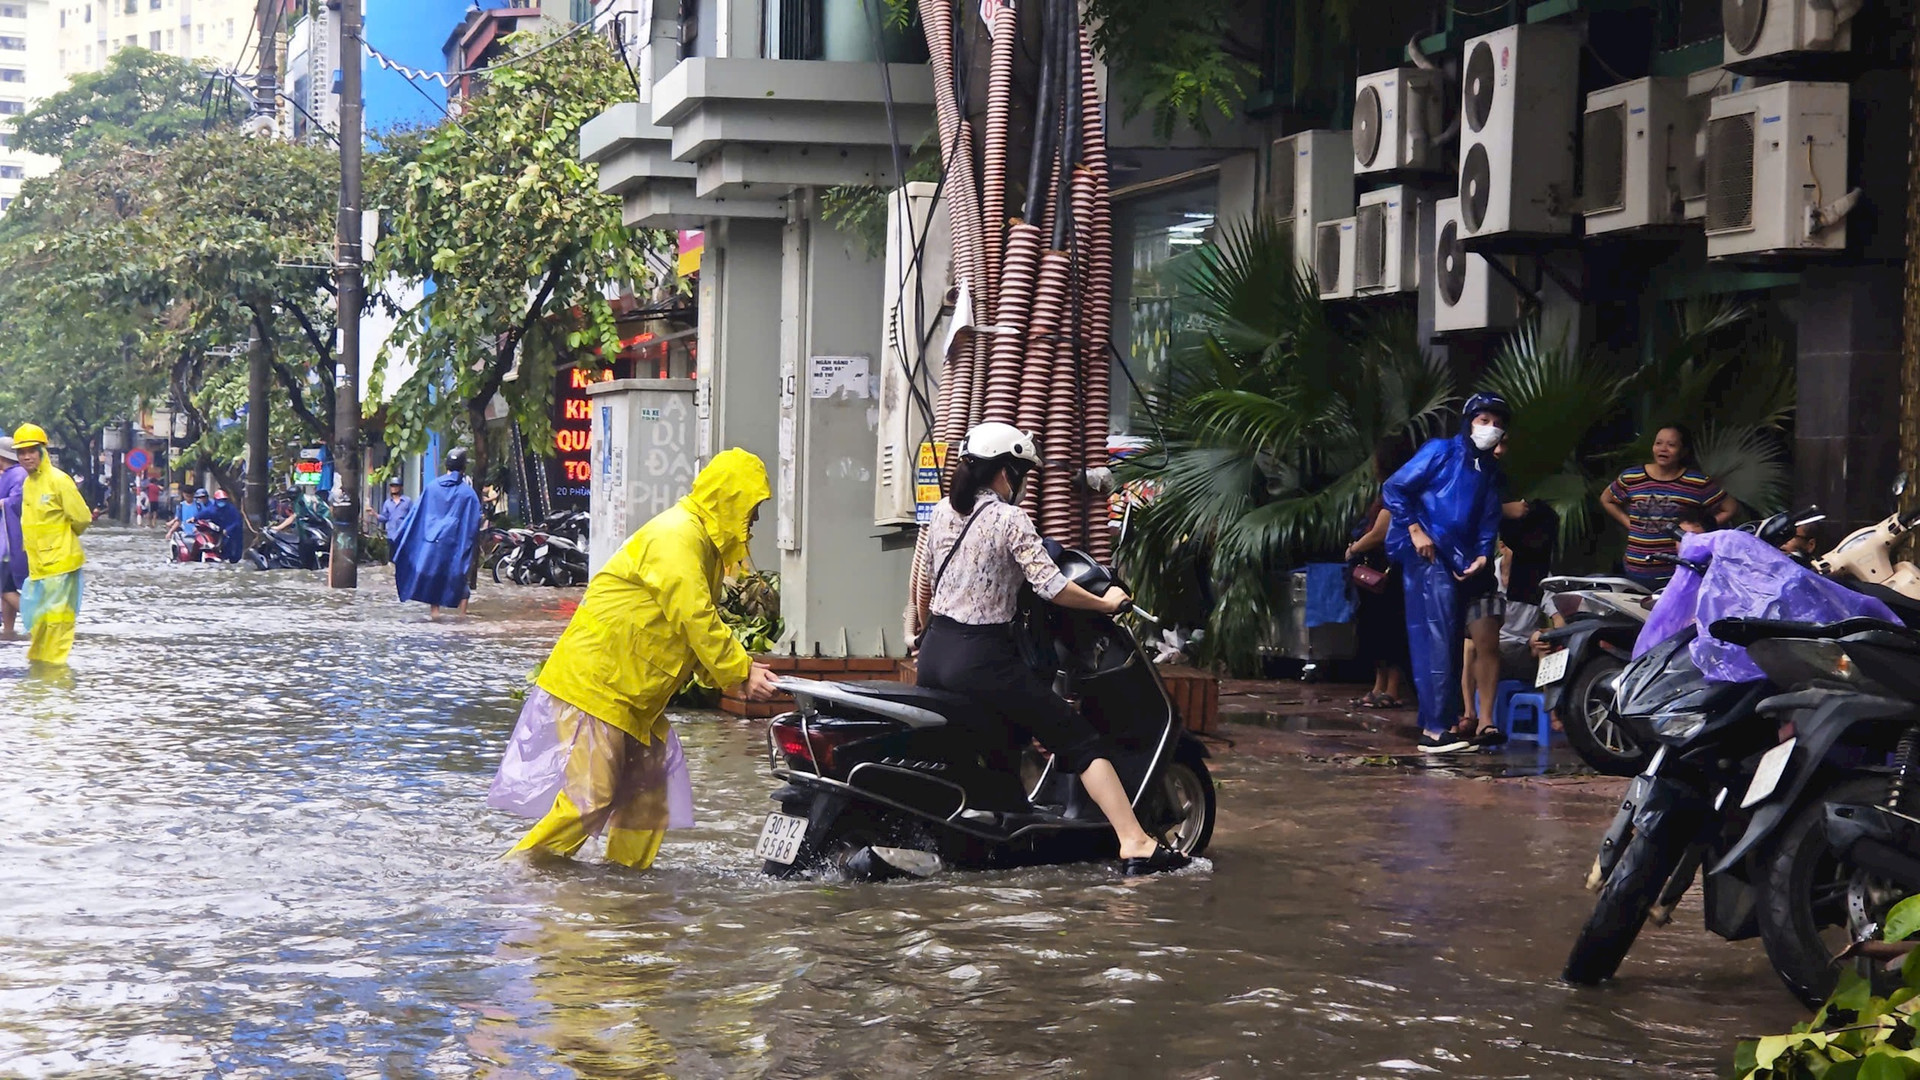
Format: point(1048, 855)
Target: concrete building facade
point(26, 34)
point(217, 31)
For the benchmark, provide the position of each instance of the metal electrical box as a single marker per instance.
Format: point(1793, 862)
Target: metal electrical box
point(919, 272)
point(643, 457)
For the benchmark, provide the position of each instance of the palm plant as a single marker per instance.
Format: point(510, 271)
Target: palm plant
point(1264, 454)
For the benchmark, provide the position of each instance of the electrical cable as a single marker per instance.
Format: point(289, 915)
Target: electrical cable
point(445, 78)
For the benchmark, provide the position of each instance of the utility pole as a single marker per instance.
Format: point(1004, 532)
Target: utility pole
point(262, 124)
point(344, 566)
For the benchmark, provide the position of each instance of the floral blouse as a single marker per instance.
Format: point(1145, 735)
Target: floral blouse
point(981, 586)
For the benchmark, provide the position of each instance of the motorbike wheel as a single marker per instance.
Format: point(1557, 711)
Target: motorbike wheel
point(1625, 900)
point(1593, 727)
point(502, 565)
point(1806, 892)
point(1189, 801)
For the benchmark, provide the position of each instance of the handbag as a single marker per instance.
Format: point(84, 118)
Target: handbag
point(1368, 578)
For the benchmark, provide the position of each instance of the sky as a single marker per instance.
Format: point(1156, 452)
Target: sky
point(411, 32)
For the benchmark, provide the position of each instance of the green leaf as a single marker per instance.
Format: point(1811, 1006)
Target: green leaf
point(1903, 920)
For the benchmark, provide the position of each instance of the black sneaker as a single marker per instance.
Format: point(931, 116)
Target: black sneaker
point(1447, 742)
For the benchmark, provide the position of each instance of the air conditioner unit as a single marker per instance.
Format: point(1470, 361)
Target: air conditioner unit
point(912, 296)
point(1638, 138)
point(1759, 29)
point(1519, 98)
point(1333, 258)
point(1386, 244)
point(1467, 295)
point(1396, 114)
point(1310, 180)
point(1777, 170)
point(1690, 172)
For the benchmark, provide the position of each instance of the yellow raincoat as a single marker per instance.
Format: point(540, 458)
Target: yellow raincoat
point(52, 517)
point(648, 619)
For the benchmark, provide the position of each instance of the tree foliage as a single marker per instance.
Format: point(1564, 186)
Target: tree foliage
point(499, 213)
point(142, 99)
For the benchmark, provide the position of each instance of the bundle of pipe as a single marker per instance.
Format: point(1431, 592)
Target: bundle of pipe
point(1044, 285)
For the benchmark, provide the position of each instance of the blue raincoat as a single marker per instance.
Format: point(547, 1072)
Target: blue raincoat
point(233, 530)
point(435, 547)
point(1453, 491)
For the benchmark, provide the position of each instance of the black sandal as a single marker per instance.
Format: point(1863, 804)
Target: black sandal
point(1490, 736)
point(1162, 860)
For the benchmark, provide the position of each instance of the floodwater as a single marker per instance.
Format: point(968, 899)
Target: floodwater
point(247, 837)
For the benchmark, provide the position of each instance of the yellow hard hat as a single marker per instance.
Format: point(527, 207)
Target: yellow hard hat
point(27, 436)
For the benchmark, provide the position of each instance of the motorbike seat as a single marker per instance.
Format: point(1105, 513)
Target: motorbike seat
point(1906, 607)
point(955, 708)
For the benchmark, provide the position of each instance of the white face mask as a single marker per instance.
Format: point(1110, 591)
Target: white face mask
point(1487, 436)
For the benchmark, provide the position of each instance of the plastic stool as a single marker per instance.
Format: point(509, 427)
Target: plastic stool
point(1525, 719)
point(1502, 696)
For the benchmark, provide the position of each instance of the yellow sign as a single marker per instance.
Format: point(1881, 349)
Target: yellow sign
point(933, 455)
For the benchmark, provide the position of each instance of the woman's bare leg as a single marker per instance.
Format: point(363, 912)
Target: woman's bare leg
point(1110, 795)
point(1485, 659)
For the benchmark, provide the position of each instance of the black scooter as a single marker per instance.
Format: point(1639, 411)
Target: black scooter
point(884, 779)
point(303, 546)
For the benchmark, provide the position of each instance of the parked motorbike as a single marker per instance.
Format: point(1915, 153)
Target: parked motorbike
point(201, 543)
point(1603, 616)
point(305, 545)
point(1833, 828)
point(884, 779)
point(553, 554)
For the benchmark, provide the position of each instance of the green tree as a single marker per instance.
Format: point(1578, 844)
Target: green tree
point(497, 210)
point(141, 98)
point(1263, 456)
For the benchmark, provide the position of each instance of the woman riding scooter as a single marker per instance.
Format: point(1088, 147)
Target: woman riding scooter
point(977, 550)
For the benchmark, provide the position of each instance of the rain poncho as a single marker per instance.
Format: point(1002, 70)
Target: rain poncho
point(52, 517)
point(233, 529)
point(435, 548)
point(1453, 491)
point(593, 749)
point(1746, 578)
point(13, 549)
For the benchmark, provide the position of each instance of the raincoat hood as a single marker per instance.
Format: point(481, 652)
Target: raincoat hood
point(723, 498)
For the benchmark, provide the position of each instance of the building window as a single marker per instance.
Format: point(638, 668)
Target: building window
point(89, 10)
point(153, 40)
point(200, 34)
point(132, 40)
point(6, 140)
point(133, 6)
point(17, 44)
point(13, 11)
point(153, 5)
point(1163, 232)
point(89, 54)
point(12, 75)
point(229, 29)
point(12, 172)
point(12, 108)
point(169, 41)
point(63, 18)
point(4, 203)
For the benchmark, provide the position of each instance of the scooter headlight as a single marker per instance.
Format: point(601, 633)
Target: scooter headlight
point(1791, 662)
point(1679, 726)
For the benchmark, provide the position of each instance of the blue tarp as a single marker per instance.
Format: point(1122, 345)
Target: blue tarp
point(1329, 600)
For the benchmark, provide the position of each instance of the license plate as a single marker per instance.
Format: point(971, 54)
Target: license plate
point(780, 838)
point(540, 552)
point(1553, 668)
point(1767, 776)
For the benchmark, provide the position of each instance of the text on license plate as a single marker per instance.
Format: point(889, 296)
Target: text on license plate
point(780, 838)
point(1767, 775)
point(1553, 668)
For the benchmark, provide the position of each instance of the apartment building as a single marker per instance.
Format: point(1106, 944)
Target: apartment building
point(25, 32)
point(217, 31)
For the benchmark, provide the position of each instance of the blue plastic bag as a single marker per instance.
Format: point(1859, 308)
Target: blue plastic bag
point(1745, 578)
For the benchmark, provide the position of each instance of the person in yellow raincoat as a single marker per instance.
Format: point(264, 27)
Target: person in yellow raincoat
point(593, 750)
point(52, 517)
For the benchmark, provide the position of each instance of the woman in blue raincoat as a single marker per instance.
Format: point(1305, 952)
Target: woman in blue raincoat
point(1445, 504)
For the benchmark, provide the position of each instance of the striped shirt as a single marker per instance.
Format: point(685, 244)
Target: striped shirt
point(1653, 511)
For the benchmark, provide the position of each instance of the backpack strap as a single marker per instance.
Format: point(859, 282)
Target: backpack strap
point(942, 572)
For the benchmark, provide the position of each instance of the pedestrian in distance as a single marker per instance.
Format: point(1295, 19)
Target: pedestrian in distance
point(1445, 504)
point(52, 517)
point(13, 549)
point(593, 751)
point(393, 514)
point(1381, 621)
point(1647, 501)
point(433, 552)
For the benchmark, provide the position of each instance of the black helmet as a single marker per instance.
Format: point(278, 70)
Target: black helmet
point(1487, 403)
point(457, 460)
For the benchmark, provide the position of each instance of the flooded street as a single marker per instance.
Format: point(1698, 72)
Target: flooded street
point(247, 837)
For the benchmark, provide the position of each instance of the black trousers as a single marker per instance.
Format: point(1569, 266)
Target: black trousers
point(982, 663)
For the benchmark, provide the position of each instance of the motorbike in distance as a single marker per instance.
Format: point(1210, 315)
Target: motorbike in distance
point(305, 545)
point(552, 554)
point(199, 543)
point(884, 779)
point(1602, 616)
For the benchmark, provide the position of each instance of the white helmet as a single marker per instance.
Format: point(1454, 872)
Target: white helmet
point(994, 440)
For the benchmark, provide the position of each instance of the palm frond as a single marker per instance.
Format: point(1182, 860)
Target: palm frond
point(1750, 463)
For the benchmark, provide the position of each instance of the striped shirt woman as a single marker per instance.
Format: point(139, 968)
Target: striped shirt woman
point(1647, 501)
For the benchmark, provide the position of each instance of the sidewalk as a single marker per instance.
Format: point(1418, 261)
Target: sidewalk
point(1276, 718)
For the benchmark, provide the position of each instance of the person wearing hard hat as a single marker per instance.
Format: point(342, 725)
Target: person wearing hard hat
point(52, 517)
point(593, 750)
point(13, 550)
